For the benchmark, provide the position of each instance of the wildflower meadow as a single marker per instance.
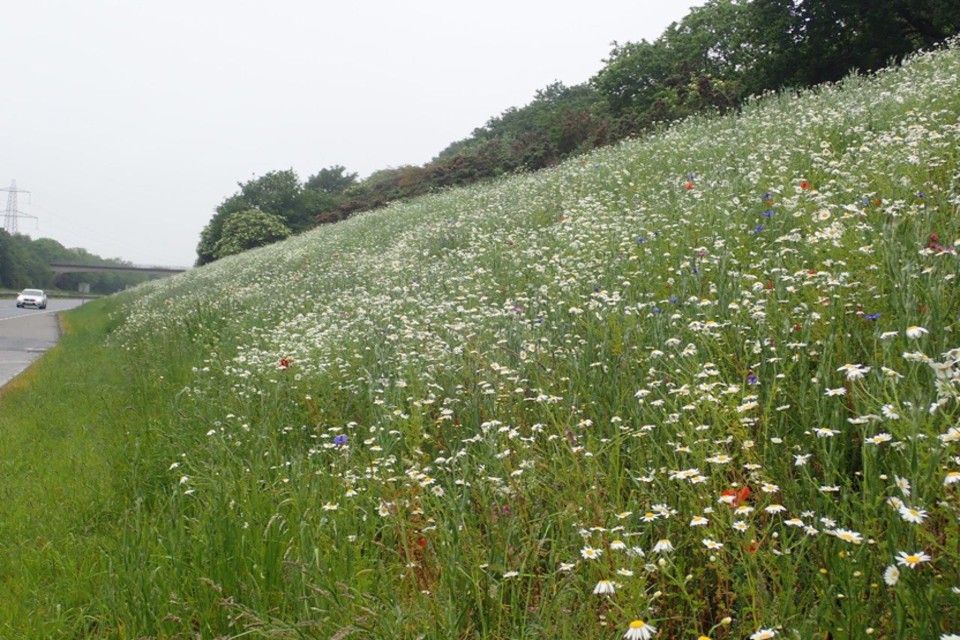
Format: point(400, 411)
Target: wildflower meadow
point(704, 384)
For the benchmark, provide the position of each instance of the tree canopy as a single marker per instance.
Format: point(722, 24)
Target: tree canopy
point(294, 204)
point(248, 229)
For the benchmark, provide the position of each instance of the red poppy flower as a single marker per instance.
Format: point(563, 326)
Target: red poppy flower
point(804, 185)
point(934, 243)
point(284, 363)
point(738, 496)
point(688, 186)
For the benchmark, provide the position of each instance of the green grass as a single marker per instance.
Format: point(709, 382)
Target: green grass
point(73, 435)
point(58, 457)
point(457, 416)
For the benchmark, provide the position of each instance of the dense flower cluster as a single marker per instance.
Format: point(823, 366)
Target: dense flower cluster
point(719, 404)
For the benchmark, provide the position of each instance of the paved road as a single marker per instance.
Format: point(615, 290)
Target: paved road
point(26, 333)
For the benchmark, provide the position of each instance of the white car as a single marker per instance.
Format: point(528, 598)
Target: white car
point(32, 298)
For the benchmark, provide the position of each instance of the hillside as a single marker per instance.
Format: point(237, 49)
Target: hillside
point(704, 382)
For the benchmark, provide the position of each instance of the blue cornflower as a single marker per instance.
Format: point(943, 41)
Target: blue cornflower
point(674, 299)
point(768, 213)
point(872, 316)
point(752, 379)
point(657, 310)
point(340, 440)
point(758, 228)
point(641, 239)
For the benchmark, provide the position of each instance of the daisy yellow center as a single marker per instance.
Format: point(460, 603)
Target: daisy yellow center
point(912, 559)
point(638, 624)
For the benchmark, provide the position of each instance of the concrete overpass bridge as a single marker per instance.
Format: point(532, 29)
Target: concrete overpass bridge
point(65, 267)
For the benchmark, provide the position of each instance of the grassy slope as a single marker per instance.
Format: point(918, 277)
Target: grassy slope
point(454, 417)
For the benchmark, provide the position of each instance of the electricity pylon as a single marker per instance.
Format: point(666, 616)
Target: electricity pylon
point(13, 214)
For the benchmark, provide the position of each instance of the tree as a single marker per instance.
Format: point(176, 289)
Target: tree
point(332, 180)
point(12, 272)
point(279, 193)
point(700, 63)
point(837, 36)
point(243, 230)
point(211, 234)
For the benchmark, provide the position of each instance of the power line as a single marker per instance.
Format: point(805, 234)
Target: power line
point(83, 234)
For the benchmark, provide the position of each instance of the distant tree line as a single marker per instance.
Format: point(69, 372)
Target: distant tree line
point(25, 263)
point(712, 60)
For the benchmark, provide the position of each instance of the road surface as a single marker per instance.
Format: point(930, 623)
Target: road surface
point(26, 333)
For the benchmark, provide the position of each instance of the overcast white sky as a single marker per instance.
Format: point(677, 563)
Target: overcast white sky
point(130, 121)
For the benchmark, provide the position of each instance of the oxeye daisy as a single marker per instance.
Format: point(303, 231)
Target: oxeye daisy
point(903, 484)
point(912, 559)
point(640, 630)
point(891, 575)
point(910, 514)
point(663, 546)
point(854, 371)
point(763, 634)
point(953, 477)
point(604, 587)
point(589, 553)
point(847, 536)
point(916, 332)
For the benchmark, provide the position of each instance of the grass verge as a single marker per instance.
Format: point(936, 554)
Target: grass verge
point(58, 457)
